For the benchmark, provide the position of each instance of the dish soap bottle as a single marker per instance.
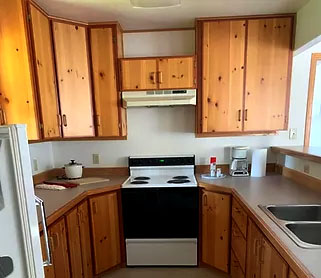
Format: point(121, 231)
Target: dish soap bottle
point(213, 166)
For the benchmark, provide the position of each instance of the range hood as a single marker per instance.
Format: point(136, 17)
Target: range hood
point(159, 98)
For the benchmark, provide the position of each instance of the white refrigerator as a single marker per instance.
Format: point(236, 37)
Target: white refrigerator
point(20, 248)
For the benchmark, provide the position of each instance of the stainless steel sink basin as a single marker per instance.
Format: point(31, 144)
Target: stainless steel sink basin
point(296, 212)
point(307, 232)
point(302, 223)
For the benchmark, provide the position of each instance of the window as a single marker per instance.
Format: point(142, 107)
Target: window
point(313, 119)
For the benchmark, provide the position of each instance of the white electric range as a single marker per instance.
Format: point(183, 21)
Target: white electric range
point(160, 203)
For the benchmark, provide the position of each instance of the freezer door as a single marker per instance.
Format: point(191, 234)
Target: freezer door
point(20, 252)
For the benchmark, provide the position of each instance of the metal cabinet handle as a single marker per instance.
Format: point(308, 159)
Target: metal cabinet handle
point(3, 119)
point(59, 120)
point(98, 120)
point(205, 200)
point(245, 115)
point(262, 250)
point(160, 77)
point(40, 203)
point(239, 115)
point(64, 120)
point(256, 245)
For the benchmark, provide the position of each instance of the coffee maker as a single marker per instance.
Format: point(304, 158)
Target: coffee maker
point(239, 164)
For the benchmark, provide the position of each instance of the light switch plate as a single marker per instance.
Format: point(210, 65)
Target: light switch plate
point(96, 158)
point(293, 133)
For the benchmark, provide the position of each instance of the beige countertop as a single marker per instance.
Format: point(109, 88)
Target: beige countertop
point(58, 202)
point(274, 189)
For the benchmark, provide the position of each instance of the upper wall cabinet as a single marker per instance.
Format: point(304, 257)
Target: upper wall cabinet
point(75, 94)
point(268, 74)
point(17, 92)
point(245, 72)
point(110, 120)
point(45, 74)
point(158, 73)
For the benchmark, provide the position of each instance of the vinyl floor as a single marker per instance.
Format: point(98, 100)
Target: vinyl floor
point(165, 272)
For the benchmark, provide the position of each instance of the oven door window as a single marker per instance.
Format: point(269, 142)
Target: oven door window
point(160, 212)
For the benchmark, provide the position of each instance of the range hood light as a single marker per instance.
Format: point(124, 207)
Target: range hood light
point(155, 4)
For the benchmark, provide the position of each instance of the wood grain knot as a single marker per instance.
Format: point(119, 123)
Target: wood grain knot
point(17, 49)
point(76, 27)
point(242, 67)
point(208, 99)
point(216, 104)
point(235, 36)
point(136, 86)
point(102, 74)
point(219, 78)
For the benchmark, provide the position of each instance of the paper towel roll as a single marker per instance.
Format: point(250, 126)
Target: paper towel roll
point(258, 167)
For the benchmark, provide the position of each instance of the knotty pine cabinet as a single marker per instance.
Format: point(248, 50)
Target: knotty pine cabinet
point(45, 74)
point(139, 74)
point(17, 91)
point(110, 117)
point(59, 250)
point(245, 73)
point(105, 231)
point(215, 229)
point(263, 261)
point(79, 241)
point(73, 75)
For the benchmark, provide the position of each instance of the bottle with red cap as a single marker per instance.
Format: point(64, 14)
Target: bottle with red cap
point(213, 166)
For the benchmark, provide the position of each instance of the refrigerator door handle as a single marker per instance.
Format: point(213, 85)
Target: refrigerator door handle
point(40, 203)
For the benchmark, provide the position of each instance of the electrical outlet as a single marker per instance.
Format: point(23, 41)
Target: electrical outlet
point(293, 133)
point(96, 158)
point(306, 168)
point(35, 164)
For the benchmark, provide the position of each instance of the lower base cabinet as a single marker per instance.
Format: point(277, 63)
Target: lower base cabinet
point(236, 270)
point(105, 231)
point(263, 261)
point(79, 242)
point(216, 215)
point(59, 251)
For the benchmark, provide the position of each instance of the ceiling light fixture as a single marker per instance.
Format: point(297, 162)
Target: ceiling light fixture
point(155, 4)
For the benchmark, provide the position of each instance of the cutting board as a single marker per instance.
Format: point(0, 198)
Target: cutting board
point(82, 181)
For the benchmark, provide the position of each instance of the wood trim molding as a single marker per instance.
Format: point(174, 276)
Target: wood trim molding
point(302, 178)
point(96, 138)
point(239, 133)
point(87, 172)
point(302, 152)
point(160, 30)
point(308, 120)
point(238, 17)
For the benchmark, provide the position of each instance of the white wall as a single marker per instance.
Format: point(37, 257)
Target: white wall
point(171, 130)
point(43, 153)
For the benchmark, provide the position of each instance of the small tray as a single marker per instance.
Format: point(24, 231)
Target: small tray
point(209, 177)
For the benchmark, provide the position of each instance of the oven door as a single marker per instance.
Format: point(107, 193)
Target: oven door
point(161, 225)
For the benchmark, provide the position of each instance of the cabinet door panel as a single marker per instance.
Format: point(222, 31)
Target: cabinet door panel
point(74, 244)
point(292, 274)
point(57, 233)
point(216, 230)
point(238, 244)
point(254, 239)
point(49, 270)
point(175, 73)
point(268, 73)
point(236, 270)
point(273, 264)
point(73, 79)
point(46, 77)
point(104, 78)
point(139, 74)
point(85, 240)
point(16, 84)
point(223, 58)
point(105, 231)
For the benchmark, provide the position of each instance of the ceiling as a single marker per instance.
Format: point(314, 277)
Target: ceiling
point(176, 17)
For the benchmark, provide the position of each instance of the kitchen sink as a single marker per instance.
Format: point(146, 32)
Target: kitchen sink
point(307, 232)
point(296, 212)
point(302, 223)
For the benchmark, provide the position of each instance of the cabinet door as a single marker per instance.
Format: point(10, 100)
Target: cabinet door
point(48, 270)
point(59, 248)
point(273, 264)
point(216, 229)
point(223, 58)
point(254, 239)
point(236, 270)
point(74, 244)
point(107, 102)
point(46, 77)
point(73, 79)
point(85, 240)
point(17, 98)
point(105, 231)
point(139, 74)
point(176, 73)
point(268, 74)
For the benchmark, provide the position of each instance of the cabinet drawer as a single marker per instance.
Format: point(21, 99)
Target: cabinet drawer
point(240, 217)
point(236, 271)
point(238, 245)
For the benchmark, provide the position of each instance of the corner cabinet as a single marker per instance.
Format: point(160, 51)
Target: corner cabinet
point(105, 231)
point(245, 74)
point(140, 74)
point(215, 229)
